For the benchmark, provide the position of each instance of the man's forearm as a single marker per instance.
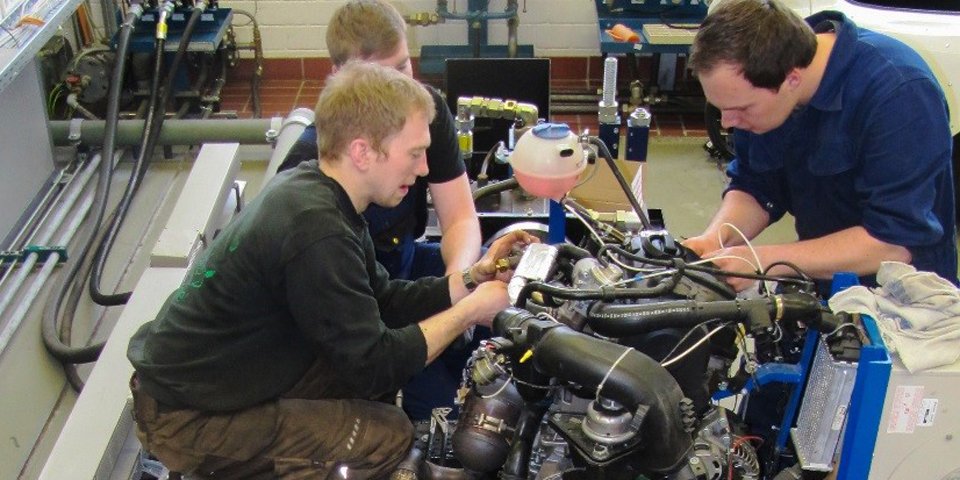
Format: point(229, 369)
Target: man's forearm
point(849, 250)
point(441, 329)
point(460, 245)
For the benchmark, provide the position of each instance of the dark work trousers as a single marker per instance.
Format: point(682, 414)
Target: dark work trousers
point(302, 435)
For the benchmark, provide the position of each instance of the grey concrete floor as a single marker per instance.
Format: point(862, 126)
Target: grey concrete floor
point(686, 184)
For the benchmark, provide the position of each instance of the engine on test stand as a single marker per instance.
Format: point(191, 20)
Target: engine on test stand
point(558, 393)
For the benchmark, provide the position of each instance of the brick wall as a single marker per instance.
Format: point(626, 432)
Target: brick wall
point(296, 28)
point(293, 34)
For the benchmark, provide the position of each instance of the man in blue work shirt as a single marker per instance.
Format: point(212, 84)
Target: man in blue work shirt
point(844, 128)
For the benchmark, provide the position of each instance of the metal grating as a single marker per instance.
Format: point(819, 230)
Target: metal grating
point(824, 410)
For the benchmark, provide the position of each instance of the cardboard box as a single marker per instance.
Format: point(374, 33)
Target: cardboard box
point(599, 190)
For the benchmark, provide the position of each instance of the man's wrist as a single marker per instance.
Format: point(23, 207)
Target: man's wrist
point(468, 279)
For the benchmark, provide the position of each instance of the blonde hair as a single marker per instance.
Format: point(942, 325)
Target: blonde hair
point(364, 29)
point(366, 100)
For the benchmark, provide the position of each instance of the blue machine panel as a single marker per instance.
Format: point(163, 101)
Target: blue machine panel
point(206, 38)
point(635, 14)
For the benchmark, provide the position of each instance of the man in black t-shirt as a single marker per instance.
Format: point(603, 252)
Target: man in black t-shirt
point(373, 30)
point(270, 358)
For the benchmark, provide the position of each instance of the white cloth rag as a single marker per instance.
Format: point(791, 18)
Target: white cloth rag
point(918, 314)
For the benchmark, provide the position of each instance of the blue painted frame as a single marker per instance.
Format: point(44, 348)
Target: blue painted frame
point(866, 406)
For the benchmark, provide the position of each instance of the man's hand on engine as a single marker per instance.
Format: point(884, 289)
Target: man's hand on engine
point(487, 300)
point(702, 244)
point(737, 260)
point(495, 264)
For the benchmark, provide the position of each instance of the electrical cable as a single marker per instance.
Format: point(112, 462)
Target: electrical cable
point(666, 363)
point(703, 269)
point(583, 220)
point(257, 77)
point(791, 266)
point(758, 267)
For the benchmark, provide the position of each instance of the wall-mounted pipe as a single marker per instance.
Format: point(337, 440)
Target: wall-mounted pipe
point(43, 237)
point(477, 15)
point(512, 25)
point(286, 136)
point(23, 306)
point(174, 132)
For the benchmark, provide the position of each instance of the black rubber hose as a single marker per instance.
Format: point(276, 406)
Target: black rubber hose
point(605, 153)
point(807, 284)
point(627, 376)
point(49, 329)
point(603, 293)
point(569, 250)
point(518, 460)
point(493, 188)
point(617, 320)
point(152, 127)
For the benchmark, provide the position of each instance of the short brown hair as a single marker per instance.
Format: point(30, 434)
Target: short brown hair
point(764, 38)
point(366, 100)
point(364, 29)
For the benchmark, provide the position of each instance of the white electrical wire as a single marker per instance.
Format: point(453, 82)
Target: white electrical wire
point(668, 271)
point(585, 222)
point(847, 325)
point(612, 367)
point(767, 285)
point(499, 390)
point(667, 363)
point(746, 241)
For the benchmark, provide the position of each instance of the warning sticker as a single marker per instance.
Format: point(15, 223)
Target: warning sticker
point(928, 411)
point(905, 409)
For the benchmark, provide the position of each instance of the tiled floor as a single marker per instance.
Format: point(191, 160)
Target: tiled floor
point(279, 97)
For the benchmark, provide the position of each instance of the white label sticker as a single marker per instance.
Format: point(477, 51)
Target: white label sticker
point(839, 417)
point(905, 409)
point(928, 411)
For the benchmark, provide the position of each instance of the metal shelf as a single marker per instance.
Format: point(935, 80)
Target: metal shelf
point(13, 60)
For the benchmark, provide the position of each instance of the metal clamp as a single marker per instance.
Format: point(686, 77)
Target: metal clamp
point(301, 116)
point(74, 133)
point(276, 123)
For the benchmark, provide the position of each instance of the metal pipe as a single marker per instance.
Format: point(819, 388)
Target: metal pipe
point(574, 97)
point(512, 24)
point(73, 103)
point(444, 12)
point(53, 193)
point(58, 188)
point(109, 10)
point(43, 237)
point(41, 278)
point(174, 132)
point(573, 109)
point(286, 136)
